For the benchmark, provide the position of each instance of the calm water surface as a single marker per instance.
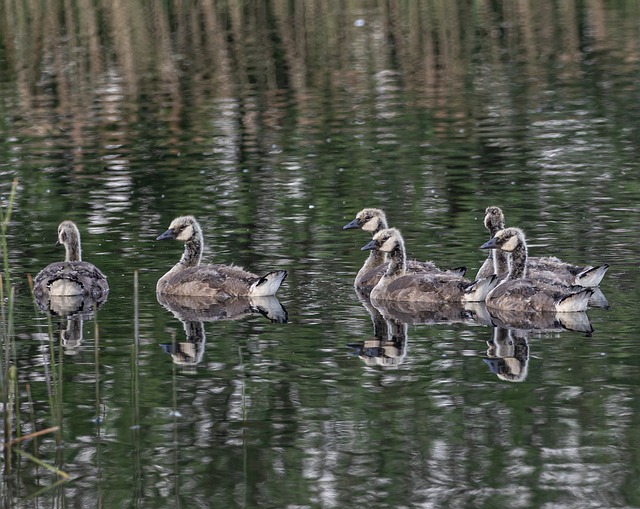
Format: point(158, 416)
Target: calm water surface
point(274, 124)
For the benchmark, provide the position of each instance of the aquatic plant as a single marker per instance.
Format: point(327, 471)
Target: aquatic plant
point(10, 393)
point(7, 374)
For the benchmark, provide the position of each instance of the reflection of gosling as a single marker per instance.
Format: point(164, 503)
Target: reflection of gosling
point(71, 337)
point(191, 351)
point(508, 354)
point(188, 277)
point(386, 352)
point(547, 267)
point(73, 276)
point(519, 293)
point(374, 220)
point(397, 284)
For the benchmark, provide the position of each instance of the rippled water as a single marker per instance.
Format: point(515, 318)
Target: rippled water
point(274, 137)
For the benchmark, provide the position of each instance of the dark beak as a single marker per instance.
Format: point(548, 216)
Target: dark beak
point(490, 244)
point(353, 224)
point(168, 235)
point(371, 245)
point(496, 366)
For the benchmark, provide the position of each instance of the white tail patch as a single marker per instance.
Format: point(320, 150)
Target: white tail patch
point(268, 284)
point(578, 301)
point(592, 277)
point(479, 290)
point(65, 287)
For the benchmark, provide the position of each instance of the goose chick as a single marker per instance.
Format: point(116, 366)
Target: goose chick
point(434, 287)
point(548, 267)
point(498, 261)
point(73, 276)
point(188, 277)
point(519, 293)
point(374, 220)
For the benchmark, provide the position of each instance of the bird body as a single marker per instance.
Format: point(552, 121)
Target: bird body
point(521, 292)
point(427, 287)
point(190, 277)
point(73, 276)
point(547, 267)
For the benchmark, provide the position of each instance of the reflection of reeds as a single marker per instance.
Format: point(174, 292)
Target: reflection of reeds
point(8, 377)
point(201, 49)
point(10, 393)
point(87, 73)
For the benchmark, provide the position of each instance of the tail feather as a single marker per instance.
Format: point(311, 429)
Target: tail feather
point(592, 276)
point(578, 301)
point(458, 271)
point(479, 289)
point(268, 284)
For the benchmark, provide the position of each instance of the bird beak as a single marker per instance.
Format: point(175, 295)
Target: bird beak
point(371, 245)
point(490, 244)
point(353, 224)
point(168, 235)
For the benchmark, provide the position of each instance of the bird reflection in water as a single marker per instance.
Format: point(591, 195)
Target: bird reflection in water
point(425, 313)
point(508, 350)
point(508, 354)
point(75, 309)
point(388, 346)
point(194, 311)
point(388, 352)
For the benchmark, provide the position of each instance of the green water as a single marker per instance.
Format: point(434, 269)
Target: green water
point(274, 124)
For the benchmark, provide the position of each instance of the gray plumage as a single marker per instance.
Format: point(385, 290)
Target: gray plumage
point(72, 276)
point(375, 220)
point(518, 292)
point(189, 277)
point(434, 287)
point(546, 267)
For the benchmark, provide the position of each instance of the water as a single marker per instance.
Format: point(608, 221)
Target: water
point(274, 124)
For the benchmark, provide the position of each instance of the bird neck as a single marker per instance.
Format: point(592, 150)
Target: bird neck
point(518, 268)
point(73, 253)
point(382, 225)
point(500, 262)
point(374, 259)
point(496, 227)
point(397, 262)
point(192, 251)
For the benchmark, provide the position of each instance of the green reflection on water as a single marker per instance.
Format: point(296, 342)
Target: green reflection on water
point(274, 124)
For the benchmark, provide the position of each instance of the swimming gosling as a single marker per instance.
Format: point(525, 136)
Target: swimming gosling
point(518, 292)
point(188, 277)
point(374, 220)
point(72, 276)
point(548, 267)
point(436, 287)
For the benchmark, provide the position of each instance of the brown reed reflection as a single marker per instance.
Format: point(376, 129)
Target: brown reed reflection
point(160, 55)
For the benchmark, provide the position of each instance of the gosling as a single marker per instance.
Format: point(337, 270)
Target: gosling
point(436, 287)
point(188, 277)
point(71, 277)
point(374, 220)
point(548, 267)
point(519, 293)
